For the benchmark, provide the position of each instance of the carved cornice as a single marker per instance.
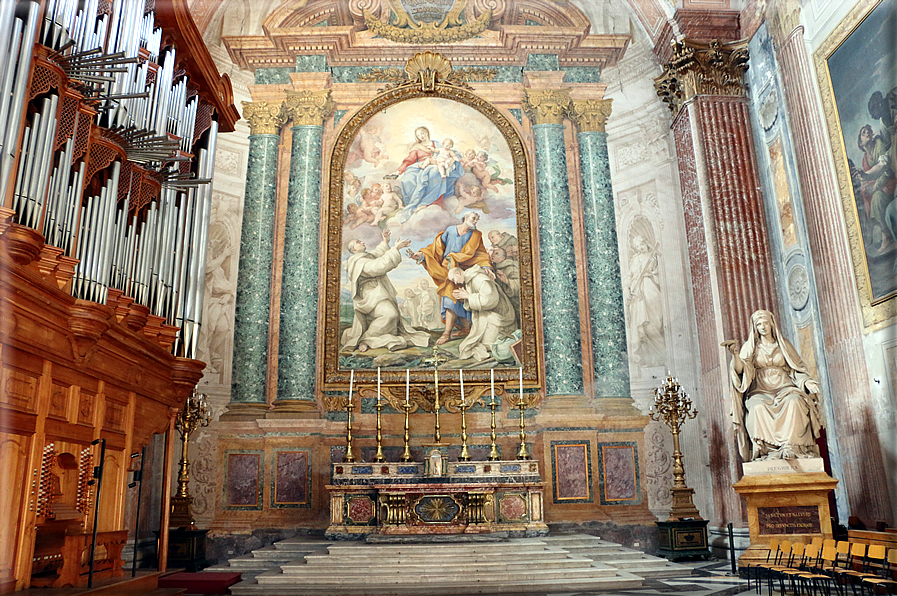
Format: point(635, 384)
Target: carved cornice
point(309, 108)
point(702, 69)
point(783, 18)
point(591, 115)
point(547, 106)
point(264, 117)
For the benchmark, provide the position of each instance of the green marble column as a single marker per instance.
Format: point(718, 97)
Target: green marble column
point(250, 364)
point(560, 296)
point(299, 285)
point(608, 323)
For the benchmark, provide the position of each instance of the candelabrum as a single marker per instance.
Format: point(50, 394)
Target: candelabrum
point(673, 408)
point(196, 414)
point(349, 457)
point(406, 454)
point(378, 457)
point(493, 450)
point(465, 455)
point(436, 360)
point(522, 453)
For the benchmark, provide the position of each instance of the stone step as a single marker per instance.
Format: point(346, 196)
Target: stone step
point(383, 558)
point(279, 554)
point(441, 547)
point(460, 567)
point(423, 551)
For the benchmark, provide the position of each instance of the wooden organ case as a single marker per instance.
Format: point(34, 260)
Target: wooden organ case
point(110, 112)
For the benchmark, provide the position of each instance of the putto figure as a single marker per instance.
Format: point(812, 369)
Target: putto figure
point(776, 401)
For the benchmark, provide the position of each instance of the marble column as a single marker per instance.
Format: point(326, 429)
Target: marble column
point(560, 298)
point(299, 283)
point(729, 254)
point(250, 363)
point(854, 437)
point(608, 322)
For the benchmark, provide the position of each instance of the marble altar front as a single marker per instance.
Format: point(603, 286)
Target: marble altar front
point(411, 498)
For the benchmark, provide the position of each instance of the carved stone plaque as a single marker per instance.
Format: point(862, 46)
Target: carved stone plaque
point(802, 519)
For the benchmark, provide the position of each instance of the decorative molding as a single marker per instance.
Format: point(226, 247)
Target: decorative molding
point(264, 117)
point(783, 17)
point(699, 68)
point(450, 18)
point(547, 106)
point(427, 69)
point(309, 108)
point(591, 115)
point(427, 34)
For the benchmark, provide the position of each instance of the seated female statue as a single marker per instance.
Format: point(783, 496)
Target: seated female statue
point(776, 401)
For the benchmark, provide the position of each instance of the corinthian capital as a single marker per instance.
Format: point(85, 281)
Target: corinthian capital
point(702, 69)
point(783, 17)
point(591, 115)
point(547, 106)
point(265, 117)
point(309, 108)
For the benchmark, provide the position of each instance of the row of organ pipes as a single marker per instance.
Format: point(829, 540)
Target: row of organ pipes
point(155, 252)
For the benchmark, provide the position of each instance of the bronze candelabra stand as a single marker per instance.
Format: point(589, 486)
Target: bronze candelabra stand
point(673, 408)
point(196, 414)
point(521, 404)
point(493, 450)
point(349, 457)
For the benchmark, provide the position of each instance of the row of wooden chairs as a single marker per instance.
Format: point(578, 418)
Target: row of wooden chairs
point(816, 567)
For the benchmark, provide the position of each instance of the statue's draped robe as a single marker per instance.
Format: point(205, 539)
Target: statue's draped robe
point(492, 312)
point(377, 321)
point(461, 250)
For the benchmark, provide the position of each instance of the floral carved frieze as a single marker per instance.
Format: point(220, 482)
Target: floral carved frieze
point(699, 68)
point(308, 108)
point(264, 117)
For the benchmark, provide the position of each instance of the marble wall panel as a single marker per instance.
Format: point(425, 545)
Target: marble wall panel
point(291, 478)
point(243, 482)
point(618, 475)
point(571, 471)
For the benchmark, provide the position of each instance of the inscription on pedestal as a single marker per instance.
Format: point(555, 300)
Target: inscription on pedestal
point(789, 520)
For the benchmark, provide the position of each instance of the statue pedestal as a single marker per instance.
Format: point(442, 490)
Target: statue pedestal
point(786, 499)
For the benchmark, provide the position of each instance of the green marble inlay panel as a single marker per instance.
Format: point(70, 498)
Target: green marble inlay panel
point(517, 114)
point(582, 74)
point(603, 267)
point(338, 115)
point(273, 76)
point(560, 302)
point(311, 63)
point(542, 62)
point(299, 285)
point(250, 363)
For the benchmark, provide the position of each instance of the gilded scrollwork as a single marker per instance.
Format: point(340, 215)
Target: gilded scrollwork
point(547, 106)
point(309, 108)
point(427, 34)
point(591, 115)
point(699, 68)
point(264, 117)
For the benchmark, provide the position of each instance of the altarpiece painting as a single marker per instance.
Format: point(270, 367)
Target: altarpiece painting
point(429, 255)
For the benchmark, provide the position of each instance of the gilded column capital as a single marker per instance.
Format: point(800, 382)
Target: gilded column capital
point(264, 117)
point(309, 108)
point(547, 106)
point(591, 115)
point(699, 68)
point(784, 18)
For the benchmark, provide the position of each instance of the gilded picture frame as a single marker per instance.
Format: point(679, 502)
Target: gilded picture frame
point(851, 99)
point(335, 370)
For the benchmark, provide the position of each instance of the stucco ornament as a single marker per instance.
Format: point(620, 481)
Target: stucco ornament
point(775, 406)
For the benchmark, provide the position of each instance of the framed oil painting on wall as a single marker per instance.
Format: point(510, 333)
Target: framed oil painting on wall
point(429, 255)
point(858, 82)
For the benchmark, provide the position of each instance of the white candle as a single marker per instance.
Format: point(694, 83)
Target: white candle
point(521, 384)
point(461, 376)
point(378, 385)
point(407, 385)
point(492, 384)
point(351, 381)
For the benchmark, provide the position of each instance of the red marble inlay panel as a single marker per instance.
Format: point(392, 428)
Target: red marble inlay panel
point(512, 508)
point(360, 510)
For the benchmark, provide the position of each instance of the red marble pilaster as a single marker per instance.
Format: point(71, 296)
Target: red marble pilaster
point(855, 427)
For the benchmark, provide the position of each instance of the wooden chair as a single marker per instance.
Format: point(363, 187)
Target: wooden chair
point(754, 569)
point(797, 564)
point(779, 559)
point(816, 579)
point(886, 577)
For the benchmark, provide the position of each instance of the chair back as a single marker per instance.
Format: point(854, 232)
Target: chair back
point(829, 541)
point(784, 551)
point(817, 541)
point(892, 556)
point(829, 554)
point(797, 554)
point(773, 551)
point(877, 552)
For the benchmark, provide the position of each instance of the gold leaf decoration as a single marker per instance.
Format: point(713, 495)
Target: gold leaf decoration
point(427, 34)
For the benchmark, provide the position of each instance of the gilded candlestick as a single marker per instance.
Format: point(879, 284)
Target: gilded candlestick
point(465, 456)
point(378, 457)
point(435, 360)
point(522, 453)
point(406, 454)
point(195, 414)
point(349, 457)
point(493, 450)
point(672, 407)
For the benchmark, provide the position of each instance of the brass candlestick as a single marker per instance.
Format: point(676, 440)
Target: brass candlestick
point(493, 450)
point(436, 360)
point(406, 454)
point(349, 457)
point(379, 456)
point(522, 453)
point(196, 414)
point(672, 407)
point(465, 456)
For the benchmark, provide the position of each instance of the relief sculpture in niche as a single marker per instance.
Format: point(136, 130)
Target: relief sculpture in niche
point(429, 223)
point(643, 295)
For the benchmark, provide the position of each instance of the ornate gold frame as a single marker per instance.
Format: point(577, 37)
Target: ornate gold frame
point(334, 379)
point(880, 313)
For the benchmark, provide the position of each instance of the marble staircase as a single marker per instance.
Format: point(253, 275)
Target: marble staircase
point(566, 562)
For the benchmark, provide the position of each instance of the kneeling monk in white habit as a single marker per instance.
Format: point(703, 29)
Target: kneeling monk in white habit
point(377, 322)
point(492, 312)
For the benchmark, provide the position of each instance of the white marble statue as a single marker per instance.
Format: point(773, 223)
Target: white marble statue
point(775, 405)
